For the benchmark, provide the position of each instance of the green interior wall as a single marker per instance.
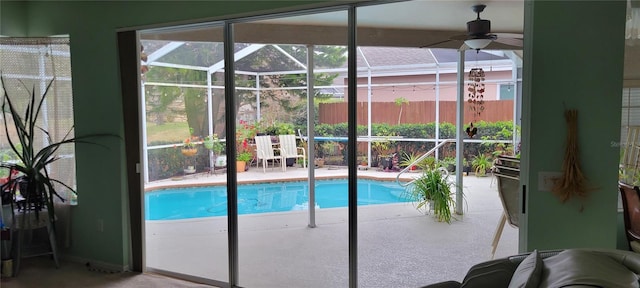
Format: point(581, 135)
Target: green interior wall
point(566, 67)
point(13, 18)
point(92, 27)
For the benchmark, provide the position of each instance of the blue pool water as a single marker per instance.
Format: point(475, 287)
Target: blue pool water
point(195, 202)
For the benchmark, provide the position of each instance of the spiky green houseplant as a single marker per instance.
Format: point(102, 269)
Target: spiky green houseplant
point(432, 186)
point(32, 188)
point(481, 163)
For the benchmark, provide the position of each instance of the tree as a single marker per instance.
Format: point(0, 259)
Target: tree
point(194, 98)
point(266, 59)
point(400, 101)
point(294, 101)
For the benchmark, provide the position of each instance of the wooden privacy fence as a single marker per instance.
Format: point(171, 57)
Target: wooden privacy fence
point(415, 112)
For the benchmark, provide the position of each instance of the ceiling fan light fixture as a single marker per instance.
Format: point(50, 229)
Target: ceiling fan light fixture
point(477, 43)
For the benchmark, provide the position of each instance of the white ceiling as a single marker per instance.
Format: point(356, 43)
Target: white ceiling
point(416, 23)
point(420, 22)
point(507, 16)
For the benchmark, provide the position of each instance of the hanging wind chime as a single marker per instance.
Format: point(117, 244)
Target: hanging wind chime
point(475, 94)
point(143, 57)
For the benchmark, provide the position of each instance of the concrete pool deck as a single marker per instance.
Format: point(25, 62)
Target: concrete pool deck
point(398, 245)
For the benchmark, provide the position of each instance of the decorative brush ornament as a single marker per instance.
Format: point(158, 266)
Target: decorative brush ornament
point(572, 183)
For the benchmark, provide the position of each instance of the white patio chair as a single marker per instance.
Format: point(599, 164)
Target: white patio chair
point(265, 152)
point(289, 149)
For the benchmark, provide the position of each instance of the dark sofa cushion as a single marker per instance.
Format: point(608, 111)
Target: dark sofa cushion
point(447, 284)
point(494, 278)
point(495, 273)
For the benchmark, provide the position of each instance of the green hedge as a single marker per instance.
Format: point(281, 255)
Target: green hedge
point(169, 162)
point(501, 130)
point(423, 130)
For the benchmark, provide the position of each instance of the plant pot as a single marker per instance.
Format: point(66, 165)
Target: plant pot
point(241, 166)
point(189, 152)
point(31, 200)
point(451, 167)
point(291, 162)
point(221, 161)
point(374, 161)
point(467, 169)
point(385, 162)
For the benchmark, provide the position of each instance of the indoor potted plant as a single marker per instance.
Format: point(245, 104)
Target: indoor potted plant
point(32, 188)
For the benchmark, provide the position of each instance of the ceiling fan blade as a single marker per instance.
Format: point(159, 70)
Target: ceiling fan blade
point(509, 35)
point(439, 44)
point(497, 45)
point(460, 37)
point(510, 41)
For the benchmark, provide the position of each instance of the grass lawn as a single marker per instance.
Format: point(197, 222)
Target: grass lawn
point(168, 132)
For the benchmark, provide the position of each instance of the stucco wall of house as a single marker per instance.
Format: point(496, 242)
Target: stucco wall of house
point(389, 88)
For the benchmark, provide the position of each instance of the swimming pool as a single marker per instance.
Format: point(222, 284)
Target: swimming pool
point(196, 202)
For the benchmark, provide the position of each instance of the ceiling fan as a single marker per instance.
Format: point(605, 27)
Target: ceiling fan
point(479, 35)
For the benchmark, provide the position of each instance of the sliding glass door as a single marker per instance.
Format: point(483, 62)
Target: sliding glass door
point(184, 147)
point(289, 234)
point(228, 202)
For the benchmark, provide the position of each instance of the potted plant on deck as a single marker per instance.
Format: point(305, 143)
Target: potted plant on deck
point(244, 133)
point(363, 161)
point(432, 192)
point(410, 160)
point(449, 163)
point(243, 155)
point(189, 148)
point(213, 143)
point(481, 163)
